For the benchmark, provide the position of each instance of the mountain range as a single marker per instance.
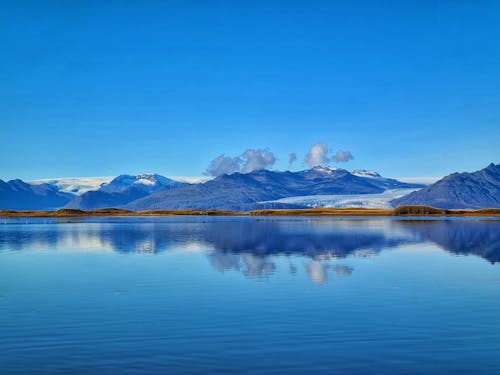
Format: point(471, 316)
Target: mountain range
point(123, 190)
point(321, 186)
point(248, 191)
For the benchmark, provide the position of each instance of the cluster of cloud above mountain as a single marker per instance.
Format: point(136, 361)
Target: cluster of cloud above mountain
point(256, 159)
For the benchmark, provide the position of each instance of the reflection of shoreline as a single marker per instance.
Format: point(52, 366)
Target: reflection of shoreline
point(463, 237)
point(320, 239)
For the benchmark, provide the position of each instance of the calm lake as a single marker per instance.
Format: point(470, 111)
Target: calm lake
point(197, 295)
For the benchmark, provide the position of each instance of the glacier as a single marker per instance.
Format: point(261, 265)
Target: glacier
point(75, 185)
point(381, 200)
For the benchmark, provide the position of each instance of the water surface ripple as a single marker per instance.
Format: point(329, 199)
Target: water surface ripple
point(184, 295)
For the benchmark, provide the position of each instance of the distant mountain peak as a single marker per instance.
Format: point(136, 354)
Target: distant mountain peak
point(124, 189)
point(152, 179)
point(326, 169)
point(126, 181)
point(492, 167)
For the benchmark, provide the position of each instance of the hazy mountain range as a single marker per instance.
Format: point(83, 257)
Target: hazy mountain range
point(320, 186)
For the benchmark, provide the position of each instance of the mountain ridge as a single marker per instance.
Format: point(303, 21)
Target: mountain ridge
point(123, 189)
point(244, 191)
point(17, 194)
point(261, 189)
point(475, 190)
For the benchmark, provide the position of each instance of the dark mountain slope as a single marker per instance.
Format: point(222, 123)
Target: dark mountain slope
point(475, 190)
point(122, 190)
point(18, 195)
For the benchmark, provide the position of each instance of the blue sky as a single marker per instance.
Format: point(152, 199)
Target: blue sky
point(104, 88)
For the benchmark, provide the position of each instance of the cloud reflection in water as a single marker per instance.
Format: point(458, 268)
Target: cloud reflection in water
point(247, 245)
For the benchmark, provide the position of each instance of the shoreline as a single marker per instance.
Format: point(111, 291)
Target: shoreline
point(400, 211)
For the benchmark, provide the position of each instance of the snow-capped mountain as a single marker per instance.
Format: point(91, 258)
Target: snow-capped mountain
point(148, 182)
point(326, 170)
point(319, 186)
point(81, 185)
point(124, 189)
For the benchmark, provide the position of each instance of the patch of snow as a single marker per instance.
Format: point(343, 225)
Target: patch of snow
point(325, 169)
point(380, 200)
point(80, 185)
point(366, 173)
point(144, 181)
point(75, 185)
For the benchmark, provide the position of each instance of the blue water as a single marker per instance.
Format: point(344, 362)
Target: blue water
point(198, 295)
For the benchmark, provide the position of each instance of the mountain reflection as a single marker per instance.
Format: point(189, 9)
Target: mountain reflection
point(247, 245)
point(462, 237)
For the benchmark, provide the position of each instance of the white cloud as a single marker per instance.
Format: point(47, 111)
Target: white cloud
point(224, 165)
point(317, 272)
point(342, 156)
point(292, 158)
point(318, 154)
point(249, 161)
point(257, 159)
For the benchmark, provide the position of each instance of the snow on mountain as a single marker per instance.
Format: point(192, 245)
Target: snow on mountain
point(146, 181)
point(381, 200)
point(325, 169)
point(81, 185)
point(318, 186)
point(244, 191)
point(124, 189)
point(75, 185)
point(366, 173)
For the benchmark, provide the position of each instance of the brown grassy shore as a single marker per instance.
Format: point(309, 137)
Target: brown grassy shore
point(400, 211)
point(66, 212)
